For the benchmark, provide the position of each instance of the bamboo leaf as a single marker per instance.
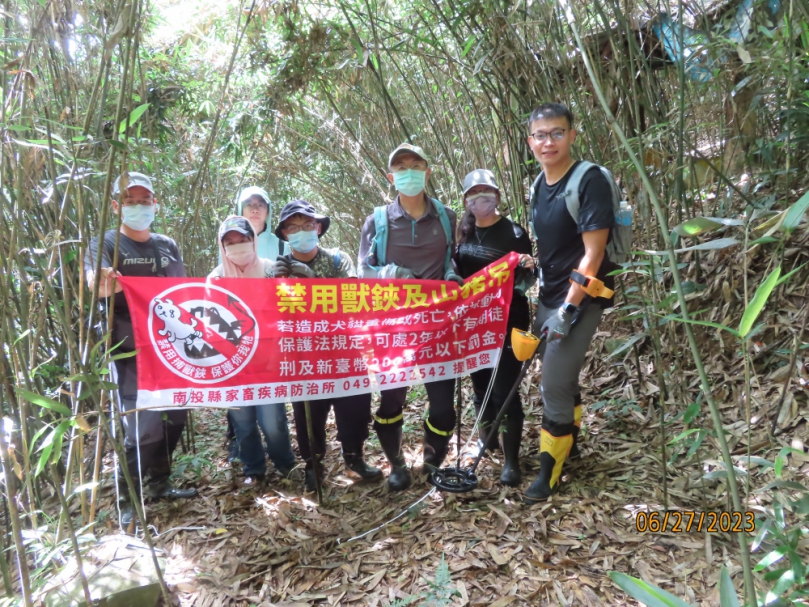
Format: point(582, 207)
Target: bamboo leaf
point(771, 558)
point(697, 226)
point(795, 213)
point(758, 302)
point(727, 594)
point(711, 245)
point(133, 117)
point(648, 594)
point(45, 402)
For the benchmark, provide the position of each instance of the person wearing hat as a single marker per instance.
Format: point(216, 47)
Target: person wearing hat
point(303, 227)
point(254, 205)
point(484, 236)
point(150, 437)
point(237, 248)
point(412, 237)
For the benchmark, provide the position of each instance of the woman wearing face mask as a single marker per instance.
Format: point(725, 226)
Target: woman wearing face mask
point(484, 236)
point(237, 246)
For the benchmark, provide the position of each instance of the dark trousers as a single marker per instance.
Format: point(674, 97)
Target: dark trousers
point(157, 433)
point(441, 411)
point(507, 371)
point(353, 417)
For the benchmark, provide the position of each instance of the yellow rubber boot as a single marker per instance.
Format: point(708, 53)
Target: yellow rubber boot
point(553, 450)
point(574, 450)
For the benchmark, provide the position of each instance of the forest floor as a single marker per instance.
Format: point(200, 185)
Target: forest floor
point(276, 546)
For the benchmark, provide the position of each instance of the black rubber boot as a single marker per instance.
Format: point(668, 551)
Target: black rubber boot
point(553, 450)
point(390, 438)
point(310, 482)
point(358, 465)
point(128, 513)
point(512, 438)
point(435, 450)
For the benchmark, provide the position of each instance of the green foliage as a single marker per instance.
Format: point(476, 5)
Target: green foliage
point(439, 592)
point(648, 594)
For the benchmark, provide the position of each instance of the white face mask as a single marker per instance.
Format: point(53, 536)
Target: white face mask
point(482, 205)
point(241, 254)
point(138, 216)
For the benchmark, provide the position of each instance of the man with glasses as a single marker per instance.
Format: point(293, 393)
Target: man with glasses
point(567, 248)
point(150, 437)
point(411, 238)
point(303, 227)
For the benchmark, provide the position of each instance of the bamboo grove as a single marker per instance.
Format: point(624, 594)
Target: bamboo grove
point(702, 111)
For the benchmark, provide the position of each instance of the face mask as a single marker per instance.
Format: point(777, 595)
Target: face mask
point(241, 254)
point(410, 182)
point(137, 217)
point(482, 205)
point(303, 241)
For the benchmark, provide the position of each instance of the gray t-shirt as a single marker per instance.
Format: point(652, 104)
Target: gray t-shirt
point(134, 259)
point(420, 245)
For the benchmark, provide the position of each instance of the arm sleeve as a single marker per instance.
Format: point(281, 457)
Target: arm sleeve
point(367, 236)
point(595, 195)
point(176, 251)
point(346, 269)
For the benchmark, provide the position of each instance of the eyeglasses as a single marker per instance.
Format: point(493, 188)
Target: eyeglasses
point(255, 205)
point(306, 227)
point(555, 135)
point(417, 166)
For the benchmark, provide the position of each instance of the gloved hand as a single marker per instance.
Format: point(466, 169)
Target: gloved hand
point(451, 275)
point(281, 268)
point(394, 271)
point(558, 325)
point(298, 269)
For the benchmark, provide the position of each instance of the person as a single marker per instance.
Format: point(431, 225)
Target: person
point(412, 237)
point(150, 437)
point(253, 204)
point(302, 227)
point(484, 236)
point(567, 249)
point(239, 251)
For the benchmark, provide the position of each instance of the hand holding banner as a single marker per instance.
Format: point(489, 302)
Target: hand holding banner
point(248, 341)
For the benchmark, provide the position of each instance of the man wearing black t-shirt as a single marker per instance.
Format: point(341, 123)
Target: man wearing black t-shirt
point(148, 440)
point(564, 245)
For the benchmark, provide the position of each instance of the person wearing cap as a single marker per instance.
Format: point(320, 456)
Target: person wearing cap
point(237, 247)
point(150, 437)
point(254, 205)
point(418, 241)
point(302, 227)
point(484, 236)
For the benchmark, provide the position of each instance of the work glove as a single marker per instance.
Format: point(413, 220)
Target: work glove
point(558, 325)
point(451, 275)
point(298, 269)
point(394, 271)
point(281, 268)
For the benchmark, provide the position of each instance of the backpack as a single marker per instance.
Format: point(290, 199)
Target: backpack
point(620, 244)
point(379, 245)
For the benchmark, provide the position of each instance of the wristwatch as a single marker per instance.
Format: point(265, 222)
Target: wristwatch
point(570, 308)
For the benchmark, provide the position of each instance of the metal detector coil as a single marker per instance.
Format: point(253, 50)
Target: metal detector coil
point(455, 480)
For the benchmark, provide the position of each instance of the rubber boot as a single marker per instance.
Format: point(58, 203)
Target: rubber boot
point(553, 450)
point(309, 481)
point(357, 464)
point(512, 438)
point(390, 438)
point(435, 449)
point(577, 413)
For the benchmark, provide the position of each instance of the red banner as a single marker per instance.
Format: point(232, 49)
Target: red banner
point(248, 341)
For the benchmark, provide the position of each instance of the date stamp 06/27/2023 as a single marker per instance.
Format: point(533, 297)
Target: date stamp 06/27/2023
point(688, 521)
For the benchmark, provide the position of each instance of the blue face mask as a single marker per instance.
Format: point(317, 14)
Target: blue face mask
point(303, 241)
point(137, 217)
point(410, 182)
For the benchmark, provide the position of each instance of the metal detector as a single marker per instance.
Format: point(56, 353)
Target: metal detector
point(459, 480)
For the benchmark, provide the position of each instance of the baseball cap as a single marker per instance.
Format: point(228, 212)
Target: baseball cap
point(301, 207)
point(236, 224)
point(479, 177)
point(407, 148)
point(135, 179)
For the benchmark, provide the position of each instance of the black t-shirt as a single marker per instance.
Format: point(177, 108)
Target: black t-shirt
point(486, 245)
point(559, 239)
point(134, 259)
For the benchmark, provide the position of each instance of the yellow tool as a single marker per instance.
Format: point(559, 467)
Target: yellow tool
point(591, 285)
point(523, 344)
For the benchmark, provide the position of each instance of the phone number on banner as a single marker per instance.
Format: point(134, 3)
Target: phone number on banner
point(281, 392)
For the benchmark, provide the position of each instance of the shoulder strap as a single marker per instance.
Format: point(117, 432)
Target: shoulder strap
point(532, 193)
point(572, 190)
point(337, 260)
point(379, 245)
point(159, 270)
point(444, 219)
